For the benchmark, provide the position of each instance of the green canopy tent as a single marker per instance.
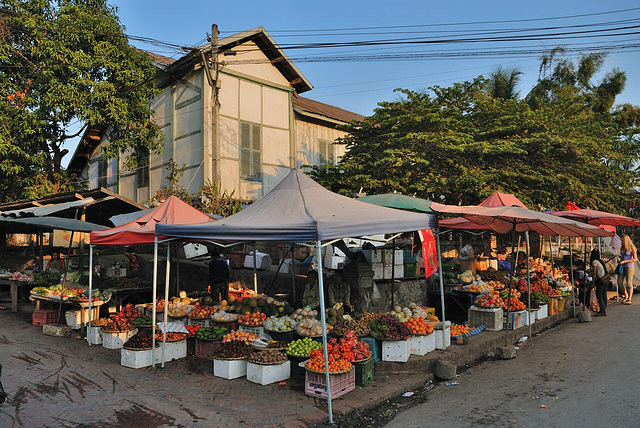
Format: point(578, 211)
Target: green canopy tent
point(400, 202)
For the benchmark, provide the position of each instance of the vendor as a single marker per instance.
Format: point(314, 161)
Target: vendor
point(339, 290)
point(218, 277)
point(311, 296)
point(56, 264)
point(583, 281)
point(134, 263)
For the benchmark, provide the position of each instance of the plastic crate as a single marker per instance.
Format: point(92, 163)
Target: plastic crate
point(516, 320)
point(410, 269)
point(396, 350)
point(316, 384)
point(491, 318)
point(255, 330)
point(375, 346)
point(202, 323)
point(205, 348)
point(44, 316)
point(365, 372)
point(267, 374)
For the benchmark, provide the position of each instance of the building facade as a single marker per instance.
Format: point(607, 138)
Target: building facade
point(259, 129)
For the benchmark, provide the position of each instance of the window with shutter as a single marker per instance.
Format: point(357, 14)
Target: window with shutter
point(102, 172)
point(325, 153)
point(142, 173)
point(250, 152)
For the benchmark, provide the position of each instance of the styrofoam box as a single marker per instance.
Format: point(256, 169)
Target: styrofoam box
point(419, 345)
point(516, 319)
point(543, 312)
point(431, 341)
point(334, 262)
point(93, 336)
point(399, 271)
point(396, 350)
point(173, 350)
point(116, 340)
point(74, 318)
point(533, 316)
point(264, 375)
point(137, 359)
point(230, 369)
point(440, 342)
point(263, 261)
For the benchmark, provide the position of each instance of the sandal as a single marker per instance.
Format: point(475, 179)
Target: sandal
point(627, 302)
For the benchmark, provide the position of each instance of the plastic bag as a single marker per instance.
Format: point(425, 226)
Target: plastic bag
point(467, 252)
point(173, 327)
point(375, 295)
point(593, 301)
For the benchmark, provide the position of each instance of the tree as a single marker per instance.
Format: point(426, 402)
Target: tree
point(458, 145)
point(503, 83)
point(65, 63)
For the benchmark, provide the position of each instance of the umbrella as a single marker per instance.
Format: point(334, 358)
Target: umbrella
point(597, 218)
point(497, 199)
point(518, 219)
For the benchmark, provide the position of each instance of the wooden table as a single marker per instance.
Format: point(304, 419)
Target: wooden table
point(16, 292)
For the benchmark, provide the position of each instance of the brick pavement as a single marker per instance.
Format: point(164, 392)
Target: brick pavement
point(64, 382)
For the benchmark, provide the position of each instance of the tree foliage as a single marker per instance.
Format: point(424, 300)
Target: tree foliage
point(65, 63)
point(503, 83)
point(458, 144)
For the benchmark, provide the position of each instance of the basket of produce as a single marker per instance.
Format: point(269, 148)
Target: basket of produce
point(100, 322)
point(142, 321)
point(310, 328)
point(279, 324)
point(304, 313)
point(193, 330)
point(252, 320)
point(268, 357)
point(224, 317)
point(302, 347)
point(116, 326)
point(386, 327)
point(171, 336)
point(272, 345)
point(359, 327)
point(129, 313)
point(240, 336)
point(234, 350)
point(349, 348)
point(141, 341)
point(201, 312)
point(211, 333)
point(419, 326)
point(337, 364)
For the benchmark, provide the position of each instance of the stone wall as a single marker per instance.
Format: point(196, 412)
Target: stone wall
point(407, 291)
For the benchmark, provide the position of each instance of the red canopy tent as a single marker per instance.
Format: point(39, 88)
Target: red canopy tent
point(497, 199)
point(143, 230)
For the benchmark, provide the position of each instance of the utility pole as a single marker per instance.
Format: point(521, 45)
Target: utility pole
point(212, 70)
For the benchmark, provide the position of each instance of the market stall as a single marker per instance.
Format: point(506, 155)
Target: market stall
point(301, 211)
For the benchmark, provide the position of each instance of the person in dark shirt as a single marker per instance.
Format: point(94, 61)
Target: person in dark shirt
point(218, 277)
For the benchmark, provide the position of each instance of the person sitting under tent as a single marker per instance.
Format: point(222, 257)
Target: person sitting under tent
point(311, 296)
point(218, 277)
point(339, 290)
point(56, 264)
point(134, 263)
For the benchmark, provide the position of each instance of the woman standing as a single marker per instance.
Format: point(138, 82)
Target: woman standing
point(599, 272)
point(628, 258)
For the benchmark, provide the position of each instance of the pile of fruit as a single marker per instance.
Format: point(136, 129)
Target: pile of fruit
point(160, 304)
point(359, 327)
point(171, 336)
point(304, 313)
point(231, 351)
point(256, 304)
point(192, 329)
point(496, 285)
point(489, 299)
point(387, 327)
point(550, 291)
point(239, 336)
point(370, 316)
point(516, 304)
point(303, 347)
point(401, 314)
point(129, 313)
point(116, 326)
point(337, 364)
point(311, 328)
point(211, 333)
point(459, 329)
point(200, 312)
point(253, 320)
point(432, 318)
point(141, 340)
point(418, 326)
point(223, 316)
point(178, 310)
point(100, 322)
point(494, 275)
point(281, 324)
point(142, 321)
point(349, 348)
point(181, 298)
point(471, 288)
point(268, 357)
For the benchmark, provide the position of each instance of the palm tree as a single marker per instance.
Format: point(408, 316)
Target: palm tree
point(503, 83)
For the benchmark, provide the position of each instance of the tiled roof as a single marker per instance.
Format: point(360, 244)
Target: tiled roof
point(327, 110)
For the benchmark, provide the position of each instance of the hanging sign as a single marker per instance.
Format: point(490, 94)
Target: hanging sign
point(429, 252)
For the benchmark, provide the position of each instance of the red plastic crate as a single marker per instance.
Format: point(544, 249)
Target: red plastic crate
point(44, 316)
point(316, 385)
point(206, 348)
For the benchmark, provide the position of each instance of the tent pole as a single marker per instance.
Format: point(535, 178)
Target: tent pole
point(293, 272)
point(153, 296)
point(587, 304)
point(444, 329)
point(64, 276)
point(177, 287)
point(393, 272)
point(513, 266)
point(255, 273)
point(324, 329)
point(526, 238)
point(573, 284)
point(166, 302)
point(551, 255)
point(90, 288)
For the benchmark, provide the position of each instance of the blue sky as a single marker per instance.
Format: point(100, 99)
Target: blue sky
point(359, 86)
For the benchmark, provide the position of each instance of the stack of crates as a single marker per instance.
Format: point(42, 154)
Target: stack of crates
point(44, 316)
point(365, 372)
point(316, 384)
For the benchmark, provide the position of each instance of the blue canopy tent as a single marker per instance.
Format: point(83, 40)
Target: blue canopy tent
point(299, 210)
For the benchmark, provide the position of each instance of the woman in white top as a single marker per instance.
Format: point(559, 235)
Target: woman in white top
point(599, 272)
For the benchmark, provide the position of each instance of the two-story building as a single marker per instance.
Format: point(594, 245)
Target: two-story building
point(260, 128)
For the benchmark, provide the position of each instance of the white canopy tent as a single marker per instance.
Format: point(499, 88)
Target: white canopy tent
point(299, 210)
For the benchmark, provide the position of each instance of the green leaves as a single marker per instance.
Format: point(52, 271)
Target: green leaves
point(64, 63)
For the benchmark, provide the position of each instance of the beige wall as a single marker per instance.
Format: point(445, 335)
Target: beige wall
point(309, 132)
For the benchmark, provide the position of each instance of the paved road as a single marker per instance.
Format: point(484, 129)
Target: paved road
point(585, 374)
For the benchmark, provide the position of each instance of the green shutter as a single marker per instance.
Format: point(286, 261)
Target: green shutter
point(245, 151)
